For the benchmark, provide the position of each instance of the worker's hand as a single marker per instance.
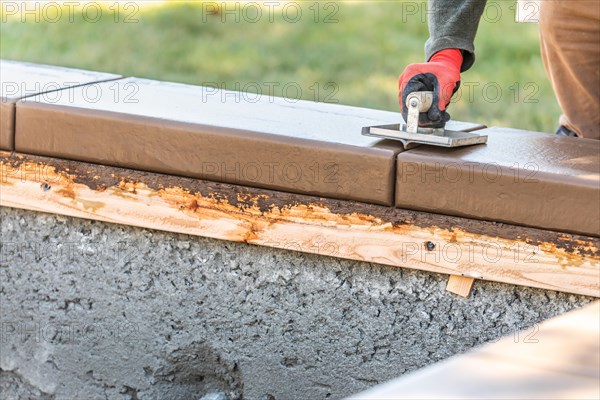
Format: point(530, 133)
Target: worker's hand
point(441, 75)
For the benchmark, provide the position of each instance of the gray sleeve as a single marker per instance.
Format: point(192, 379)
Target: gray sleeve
point(453, 24)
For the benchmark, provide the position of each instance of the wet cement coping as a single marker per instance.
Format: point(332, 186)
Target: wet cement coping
point(202, 132)
point(519, 177)
point(19, 80)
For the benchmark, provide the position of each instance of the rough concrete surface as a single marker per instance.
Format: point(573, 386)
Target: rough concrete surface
point(92, 310)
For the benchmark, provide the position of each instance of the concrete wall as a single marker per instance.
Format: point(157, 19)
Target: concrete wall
point(95, 310)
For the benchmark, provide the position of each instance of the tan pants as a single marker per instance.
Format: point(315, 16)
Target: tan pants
point(570, 44)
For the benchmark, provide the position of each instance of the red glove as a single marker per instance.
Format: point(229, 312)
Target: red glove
point(441, 75)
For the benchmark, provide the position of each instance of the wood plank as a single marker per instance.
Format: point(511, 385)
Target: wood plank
point(476, 377)
point(558, 360)
point(568, 344)
point(460, 285)
point(346, 229)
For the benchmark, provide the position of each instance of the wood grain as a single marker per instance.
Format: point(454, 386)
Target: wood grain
point(345, 229)
point(460, 285)
point(557, 359)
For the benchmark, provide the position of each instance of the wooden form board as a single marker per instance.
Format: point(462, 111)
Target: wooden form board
point(345, 229)
point(557, 359)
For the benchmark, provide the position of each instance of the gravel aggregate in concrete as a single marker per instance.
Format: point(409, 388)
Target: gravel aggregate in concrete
point(95, 310)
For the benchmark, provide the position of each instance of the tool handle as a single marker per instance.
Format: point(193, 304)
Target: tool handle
point(417, 102)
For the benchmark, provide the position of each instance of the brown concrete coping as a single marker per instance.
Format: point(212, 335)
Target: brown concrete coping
point(19, 80)
point(241, 138)
point(519, 177)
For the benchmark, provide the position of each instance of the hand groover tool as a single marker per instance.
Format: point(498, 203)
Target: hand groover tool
point(411, 135)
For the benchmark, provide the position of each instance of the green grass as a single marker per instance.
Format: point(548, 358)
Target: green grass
point(362, 54)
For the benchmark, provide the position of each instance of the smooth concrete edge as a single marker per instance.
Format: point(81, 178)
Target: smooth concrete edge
point(7, 126)
point(384, 156)
point(579, 216)
point(115, 116)
point(591, 229)
point(48, 68)
point(79, 85)
point(572, 180)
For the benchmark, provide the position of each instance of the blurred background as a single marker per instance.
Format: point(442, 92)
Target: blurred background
point(347, 52)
